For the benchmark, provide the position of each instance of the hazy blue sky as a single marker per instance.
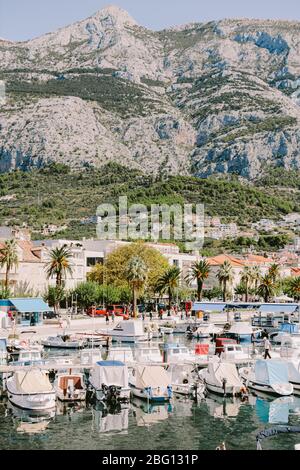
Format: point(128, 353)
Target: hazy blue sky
point(24, 19)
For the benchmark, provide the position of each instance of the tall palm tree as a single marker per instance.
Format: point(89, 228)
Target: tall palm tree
point(168, 282)
point(256, 275)
point(294, 288)
point(59, 264)
point(136, 275)
point(200, 271)
point(225, 276)
point(8, 259)
point(274, 272)
point(266, 289)
point(246, 280)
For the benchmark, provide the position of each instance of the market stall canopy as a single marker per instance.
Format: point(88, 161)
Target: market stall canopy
point(30, 305)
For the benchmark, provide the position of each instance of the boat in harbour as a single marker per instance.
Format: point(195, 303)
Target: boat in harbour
point(269, 376)
point(129, 331)
point(70, 387)
point(148, 354)
point(31, 390)
point(108, 382)
point(186, 381)
point(63, 342)
point(222, 378)
point(151, 383)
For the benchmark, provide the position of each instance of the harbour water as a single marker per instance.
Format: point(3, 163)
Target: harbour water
point(181, 425)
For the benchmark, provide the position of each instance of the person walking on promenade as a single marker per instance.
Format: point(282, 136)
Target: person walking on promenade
point(113, 316)
point(107, 318)
point(267, 346)
point(150, 315)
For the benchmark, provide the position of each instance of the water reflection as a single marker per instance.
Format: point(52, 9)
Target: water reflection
point(28, 421)
point(113, 420)
point(272, 410)
point(220, 407)
point(147, 414)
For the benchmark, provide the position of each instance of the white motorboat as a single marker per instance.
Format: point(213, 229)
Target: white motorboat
point(70, 387)
point(109, 382)
point(205, 330)
point(244, 331)
point(151, 383)
point(128, 331)
point(31, 390)
point(235, 353)
point(63, 342)
point(177, 353)
point(185, 380)
point(124, 354)
point(269, 376)
point(222, 378)
point(29, 356)
point(151, 355)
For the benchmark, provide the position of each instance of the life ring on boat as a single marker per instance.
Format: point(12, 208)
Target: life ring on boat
point(24, 344)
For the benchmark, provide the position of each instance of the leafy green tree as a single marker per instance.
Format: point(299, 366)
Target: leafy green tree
point(55, 295)
point(115, 266)
point(87, 294)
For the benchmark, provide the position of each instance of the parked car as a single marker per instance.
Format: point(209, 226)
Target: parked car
point(97, 312)
point(119, 310)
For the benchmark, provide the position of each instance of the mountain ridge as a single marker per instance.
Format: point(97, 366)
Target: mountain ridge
point(200, 98)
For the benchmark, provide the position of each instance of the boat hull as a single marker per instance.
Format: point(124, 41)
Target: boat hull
point(229, 390)
point(38, 402)
point(130, 339)
point(142, 393)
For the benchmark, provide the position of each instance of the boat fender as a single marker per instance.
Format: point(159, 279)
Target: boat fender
point(170, 391)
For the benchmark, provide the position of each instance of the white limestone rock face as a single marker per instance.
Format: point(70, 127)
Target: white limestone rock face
point(222, 96)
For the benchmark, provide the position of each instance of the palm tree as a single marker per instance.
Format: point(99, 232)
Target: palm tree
point(8, 259)
point(225, 277)
point(168, 282)
point(136, 275)
point(274, 272)
point(199, 271)
point(256, 275)
point(59, 264)
point(246, 280)
point(266, 289)
point(294, 288)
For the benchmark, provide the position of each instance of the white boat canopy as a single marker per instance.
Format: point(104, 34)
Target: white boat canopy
point(34, 381)
point(271, 372)
point(151, 376)
point(110, 373)
point(218, 371)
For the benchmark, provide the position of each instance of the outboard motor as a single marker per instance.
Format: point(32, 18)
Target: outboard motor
point(113, 394)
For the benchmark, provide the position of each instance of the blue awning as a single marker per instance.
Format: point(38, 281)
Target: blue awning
point(30, 305)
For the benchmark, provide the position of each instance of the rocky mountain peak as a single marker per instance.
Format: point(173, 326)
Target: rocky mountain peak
point(114, 16)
